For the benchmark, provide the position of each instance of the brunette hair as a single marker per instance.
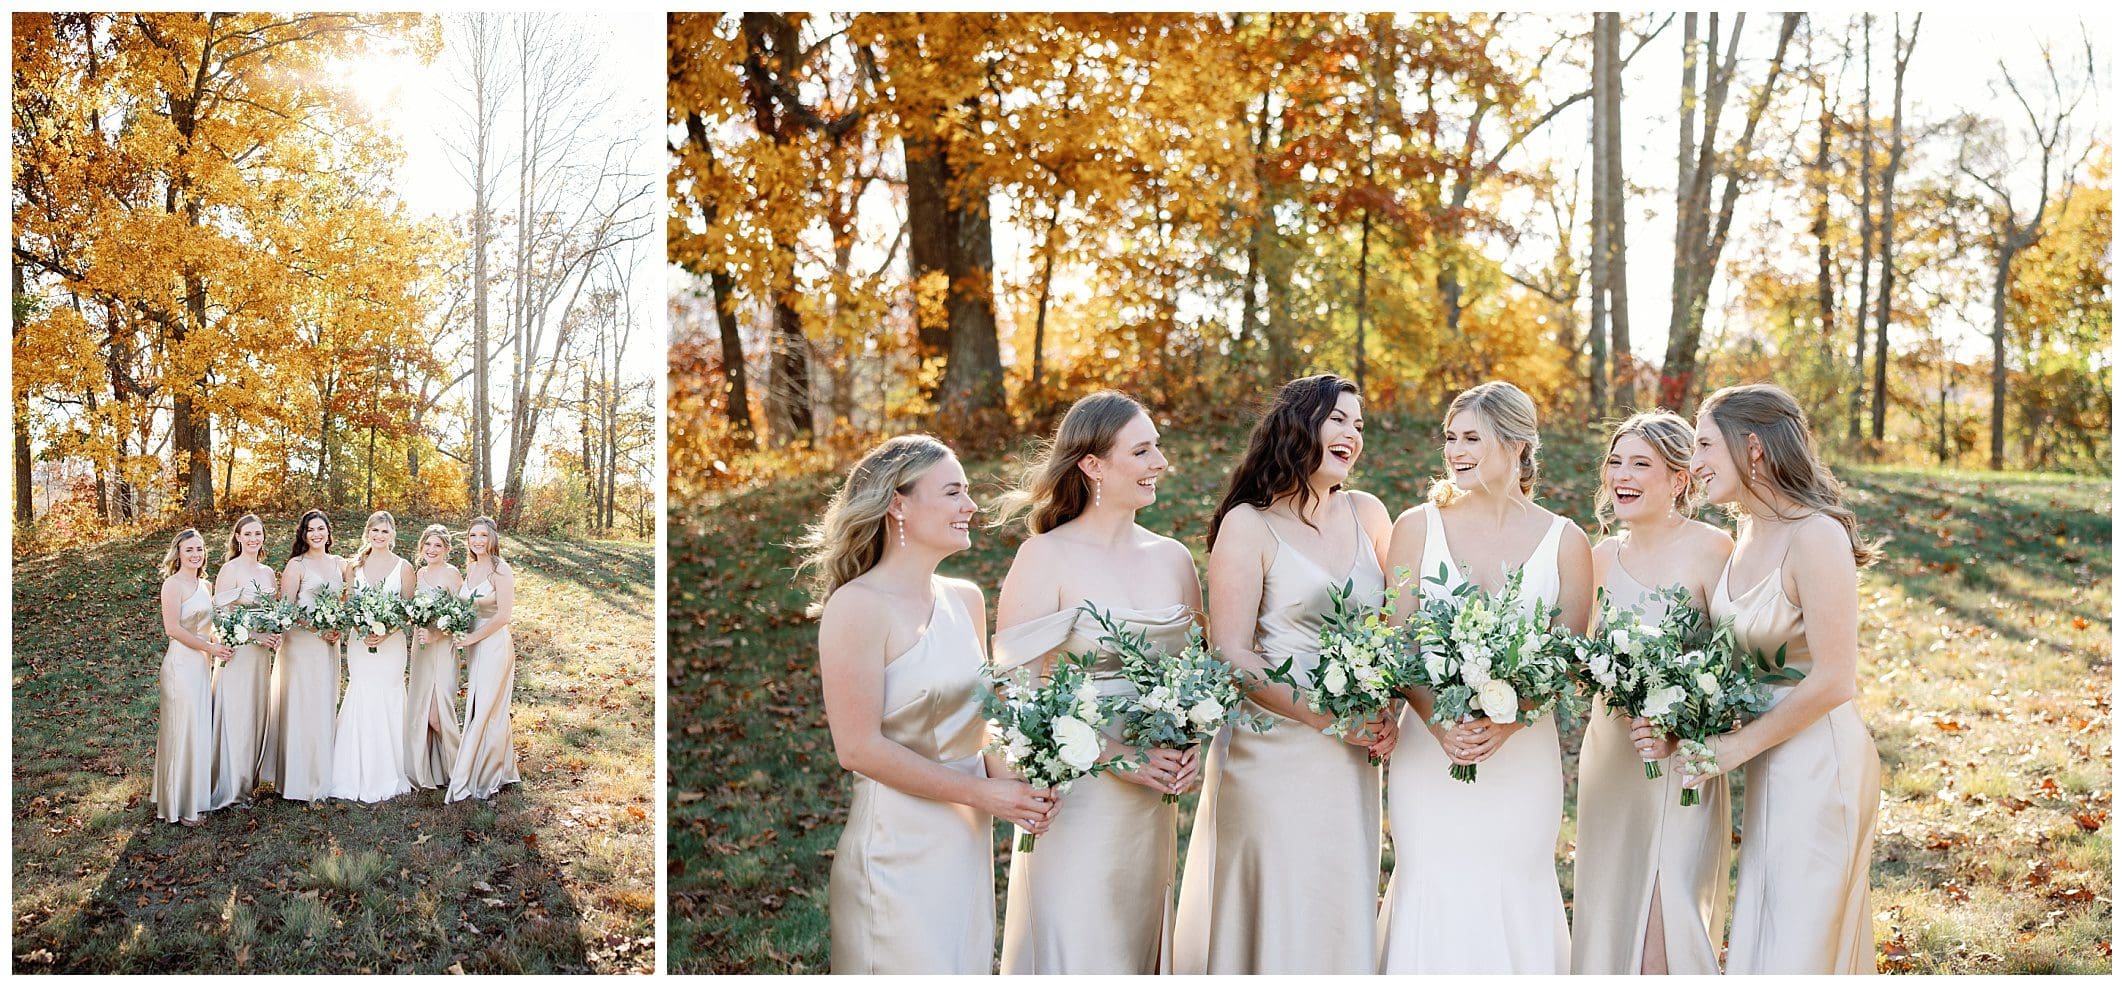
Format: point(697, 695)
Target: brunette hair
point(235, 547)
point(1284, 449)
point(302, 543)
point(1053, 490)
point(1790, 464)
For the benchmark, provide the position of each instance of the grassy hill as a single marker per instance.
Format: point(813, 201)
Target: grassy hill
point(1984, 671)
point(555, 875)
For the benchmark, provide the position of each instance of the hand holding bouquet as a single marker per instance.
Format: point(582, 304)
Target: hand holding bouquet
point(377, 611)
point(233, 627)
point(1047, 732)
point(438, 609)
point(327, 614)
point(272, 616)
point(1488, 654)
point(1358, 671)
point(1181, 699)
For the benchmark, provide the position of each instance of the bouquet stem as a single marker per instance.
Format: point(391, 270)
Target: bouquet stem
point(1462, 772)
point(1652, 771)
point(1025, 842)
point(1689, 796)
point(1170, 799)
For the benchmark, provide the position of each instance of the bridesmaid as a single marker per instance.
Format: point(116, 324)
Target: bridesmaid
point(1474, 886)
point(900, 661)
point(486, 755)
point(1801, 902)
point(184, 743)
point(306, 678)
point(1650, 876)
point(431, 730)
point(1283, 867)
point(368, 747)
point(1097, 895)
point(243, 687)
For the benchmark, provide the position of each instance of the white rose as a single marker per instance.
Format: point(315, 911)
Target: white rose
point(1498, 700)
point(1206, 713)
point(1334, 680)
point(1659, 702)
point(1434, 665)
point(1087, 693)
point(1707, 684)
point(1620, 641)
point(243, 634)
point(1603, 669)
point(1156, 699)
point(1476, 673)
point(376, 627)
point(1080, 743)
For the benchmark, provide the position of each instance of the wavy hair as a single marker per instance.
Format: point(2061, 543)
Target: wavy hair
point(1053, 490)
point(236, 547)
point(1284, 449)
point(439, 530)
point(1791, 466)
point(1508, 411)
point(494, 546)
point(849, 538)
point(1674, 440)
point(170, 560)
point(302, 544)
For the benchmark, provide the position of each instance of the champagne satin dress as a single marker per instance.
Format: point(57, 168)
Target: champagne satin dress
point(1801, 902)
point(1282, 872)
point(1096, 895)
point(913, 882)
point(183, 787)
point(368, 747)
point(1474, 887)
point(243, 699)
point(431, 731)
point(1634, 835)
point(298, 758)
point(486, 756)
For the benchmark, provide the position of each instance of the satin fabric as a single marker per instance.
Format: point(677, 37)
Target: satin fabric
point(183, 786)
point(1282, 872)
point(1474, 886)
point(1634, 834)
point(432, 735)
point(305, 694)
point(368, 749)
point(486, 756)
point(243, 700)
point(913, 883)
point(1801, 902)
point(1096, 894)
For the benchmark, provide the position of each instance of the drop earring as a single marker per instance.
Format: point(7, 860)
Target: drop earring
point(1097, 486)
point(901, 525)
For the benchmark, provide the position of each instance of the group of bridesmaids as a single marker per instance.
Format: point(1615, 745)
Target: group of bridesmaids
point(1282, 870)
point(271, 711)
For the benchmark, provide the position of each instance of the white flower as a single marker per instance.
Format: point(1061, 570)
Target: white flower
point(376, 627)
point(1498, 700)
point(1476, 672)
point(1659, 702)
point(1603, 668)
point(1206, 713)
point(1622, 642)
point(1707, 684)
point(1334, 680)
point(1087, 693)
point(1080, 743)
point(243, 634)
point(1434, 665)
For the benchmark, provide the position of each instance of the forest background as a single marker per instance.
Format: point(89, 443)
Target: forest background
point(269, 262)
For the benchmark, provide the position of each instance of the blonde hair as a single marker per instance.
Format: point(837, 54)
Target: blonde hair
point(1674, 439)
point(1790, 464)
point(170, 560)
point(849, 538)
point(362, 554)
point(442, 531)
point(1054, 490)
point(493, 541)
point(1508, 411)
point(235, 547)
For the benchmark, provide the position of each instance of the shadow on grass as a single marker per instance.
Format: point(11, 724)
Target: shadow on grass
point(405, 886)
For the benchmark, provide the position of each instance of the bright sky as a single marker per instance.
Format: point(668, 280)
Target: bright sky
point(415, 103)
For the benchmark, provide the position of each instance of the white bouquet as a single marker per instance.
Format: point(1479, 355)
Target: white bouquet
point(377, 610)
point(1359, 671)
point(1181, 699)
point(1047, 731)
point(1489, 655)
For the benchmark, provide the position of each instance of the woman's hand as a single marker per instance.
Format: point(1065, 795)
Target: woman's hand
point(1480, 737)
point(1652, 744)
point(1377, 736)
point(219, 650)
point(1018, 803)
point(330, 637)
point(372, 640)
point(1722, 748)
point(1162, 770)
point(271, 642)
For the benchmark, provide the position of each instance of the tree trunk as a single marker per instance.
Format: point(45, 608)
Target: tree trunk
point(1251, 327)
point(1858, 351)
point(2000, 278)
point(737, 402)
point(1895, 163)
point(1824, 278)
point(773, 39)
point(950, 235)
point(1704, 235)
point(1615, 273)
point(1047, 282)
point(25, 467)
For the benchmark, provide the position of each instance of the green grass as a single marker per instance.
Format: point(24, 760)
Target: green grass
point(1985, 673)
point(556, 875)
